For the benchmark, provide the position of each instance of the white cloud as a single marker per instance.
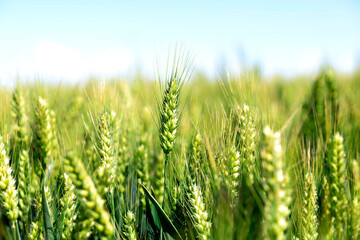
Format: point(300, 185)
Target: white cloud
point(57, 61)
point(111, 62)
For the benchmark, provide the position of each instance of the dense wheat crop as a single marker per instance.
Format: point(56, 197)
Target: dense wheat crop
point(185, 157)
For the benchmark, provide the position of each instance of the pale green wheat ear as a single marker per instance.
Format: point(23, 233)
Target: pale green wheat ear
point(129, 226)
point(68, 204)
point(122, 162)
point(43, 136)
point(20, 119)
point(333, 93)
point(35, 231)
point(246, 144)
point(142, 167)
point(355, 202)
point(194, 160)
point(8, 194)
point(92, 203)
point(199, 215)
point(331, 235)
point(24, 201)
point(159, 178)
point(336, 163)
point(325, 217)
point(119, 152)
point(105, 173)
point(19, 152)
point(235, 171)
point(309, 221)
point(54, 140)
point(275, 185)
point(36, 226)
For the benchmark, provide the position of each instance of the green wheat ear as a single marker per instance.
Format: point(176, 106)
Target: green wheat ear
point(68, 204)
point(91, 201)
point(19, 152)
point(246, 142)
point(325, 217)
point(275, 184)
point(43, 136)
point(309, 222)
point(158, 181)
point(169, 115)
point(330, 80)
point(8, 192)
point(169, 109)
point(335, 158)
point(235, 172)
point(129, 226)
point(199, 215)
point(355, 202)
point(35, 231)
point(36, 226)
point(142, 167)
point(105, 173)
point(20, 119)
point(24, 198)
point(192, 173)
point(122, 161)
point(322, 109)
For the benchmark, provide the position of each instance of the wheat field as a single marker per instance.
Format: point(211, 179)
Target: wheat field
point(182, 157)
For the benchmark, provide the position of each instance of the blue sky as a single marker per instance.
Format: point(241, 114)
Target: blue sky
point(69, 40)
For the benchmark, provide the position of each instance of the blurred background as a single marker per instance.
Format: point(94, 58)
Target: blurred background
point(70, 41)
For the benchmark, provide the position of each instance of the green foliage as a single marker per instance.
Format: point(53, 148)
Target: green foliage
point(166, 223)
